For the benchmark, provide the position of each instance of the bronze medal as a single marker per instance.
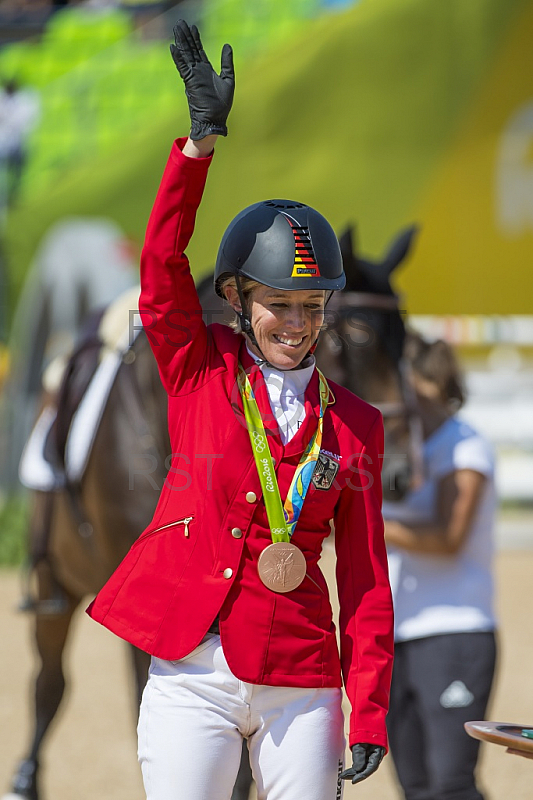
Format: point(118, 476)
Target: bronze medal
point(282, 566)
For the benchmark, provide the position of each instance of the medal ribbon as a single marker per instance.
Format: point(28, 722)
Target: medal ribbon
point(282, 519)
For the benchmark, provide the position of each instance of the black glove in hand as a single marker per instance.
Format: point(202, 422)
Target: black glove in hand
point(366, 759)
point(210, 95)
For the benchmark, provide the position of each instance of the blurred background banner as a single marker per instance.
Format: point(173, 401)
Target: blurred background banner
point(379, 112)
point(382, 112)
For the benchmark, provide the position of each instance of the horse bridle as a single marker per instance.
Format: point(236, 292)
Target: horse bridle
point(408, 407)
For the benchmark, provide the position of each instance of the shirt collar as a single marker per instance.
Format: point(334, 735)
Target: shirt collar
point(290, 381)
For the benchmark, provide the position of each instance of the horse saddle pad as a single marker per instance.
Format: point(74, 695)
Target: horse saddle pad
point(61, 441)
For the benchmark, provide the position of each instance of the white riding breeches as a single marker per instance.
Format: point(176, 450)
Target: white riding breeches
point(195, 713)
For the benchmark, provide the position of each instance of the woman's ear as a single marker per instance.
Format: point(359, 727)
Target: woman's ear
point(232, 297)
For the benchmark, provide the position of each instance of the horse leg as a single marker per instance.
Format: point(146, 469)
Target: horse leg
point(241, 790)
point(51, 633)
point(140, 662)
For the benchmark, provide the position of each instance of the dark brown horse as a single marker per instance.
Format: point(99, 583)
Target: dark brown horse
point(363, 349)
point(79, 534)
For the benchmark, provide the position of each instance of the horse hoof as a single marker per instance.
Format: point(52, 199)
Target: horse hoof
point(12, 796)
point(25, 781)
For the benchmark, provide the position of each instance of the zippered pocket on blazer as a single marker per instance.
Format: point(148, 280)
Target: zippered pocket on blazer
point(186, 521)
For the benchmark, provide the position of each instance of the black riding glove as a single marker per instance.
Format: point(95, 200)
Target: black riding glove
point(210, 95)
point(366, 759)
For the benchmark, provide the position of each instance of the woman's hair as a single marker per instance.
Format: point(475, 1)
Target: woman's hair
point(247, 287)
point(435, 362)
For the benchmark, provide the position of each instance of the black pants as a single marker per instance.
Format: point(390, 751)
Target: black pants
point(438, 684)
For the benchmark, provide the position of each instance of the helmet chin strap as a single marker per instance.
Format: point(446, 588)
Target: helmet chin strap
point(245, 319)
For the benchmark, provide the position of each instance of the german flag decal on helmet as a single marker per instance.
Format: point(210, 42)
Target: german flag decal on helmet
point(305, 265)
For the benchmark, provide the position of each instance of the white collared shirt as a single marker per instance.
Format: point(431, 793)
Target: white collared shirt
point(286, 392)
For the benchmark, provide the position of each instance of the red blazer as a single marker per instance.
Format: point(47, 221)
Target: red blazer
point(192, 561)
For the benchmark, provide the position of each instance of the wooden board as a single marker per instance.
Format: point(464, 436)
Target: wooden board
point(504, 733)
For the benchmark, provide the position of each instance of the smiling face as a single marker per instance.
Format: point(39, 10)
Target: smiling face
point(285, 324)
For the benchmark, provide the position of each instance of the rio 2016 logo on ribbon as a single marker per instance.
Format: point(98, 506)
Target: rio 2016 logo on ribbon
point(267, 474)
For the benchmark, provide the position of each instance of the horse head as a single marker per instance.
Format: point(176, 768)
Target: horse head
point(362, 349)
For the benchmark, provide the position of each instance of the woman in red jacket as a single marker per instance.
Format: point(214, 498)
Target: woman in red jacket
point(224, 589)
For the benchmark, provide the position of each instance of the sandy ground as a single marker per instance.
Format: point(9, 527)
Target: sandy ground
point(90, 754)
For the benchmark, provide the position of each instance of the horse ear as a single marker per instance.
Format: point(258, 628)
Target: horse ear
point(346, 242)
point(349, 259)
point(400, 248)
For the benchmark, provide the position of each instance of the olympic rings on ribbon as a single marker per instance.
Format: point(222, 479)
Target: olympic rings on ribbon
point(259, 441)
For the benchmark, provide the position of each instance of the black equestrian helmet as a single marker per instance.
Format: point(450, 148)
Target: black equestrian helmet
point(282, 244)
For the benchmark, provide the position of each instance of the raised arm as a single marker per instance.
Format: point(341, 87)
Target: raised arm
point(169, 305)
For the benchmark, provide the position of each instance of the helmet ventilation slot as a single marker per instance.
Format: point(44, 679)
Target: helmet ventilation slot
point(283, 204)
point(304, 246)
